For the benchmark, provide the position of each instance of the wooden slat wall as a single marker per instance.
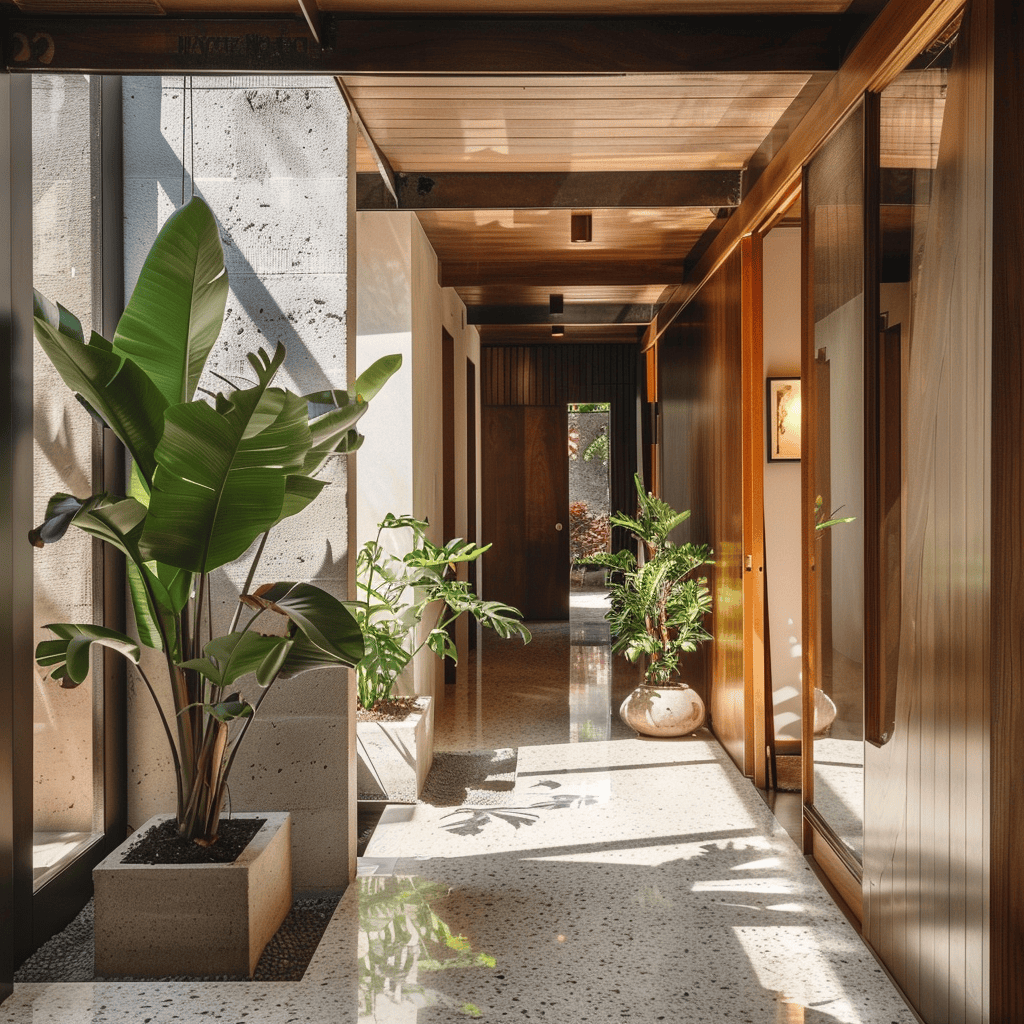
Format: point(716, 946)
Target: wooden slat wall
point(928, 819)
point(559, 374)
point(700, 392)
point(1007, 390)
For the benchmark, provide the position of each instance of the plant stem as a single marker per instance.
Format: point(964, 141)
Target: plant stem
point(170, 739)
point(248, 581)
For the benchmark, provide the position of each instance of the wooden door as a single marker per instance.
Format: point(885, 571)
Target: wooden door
point(526, 509)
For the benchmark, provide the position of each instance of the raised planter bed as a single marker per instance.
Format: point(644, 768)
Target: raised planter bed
point(157, 920)
point(394, 757)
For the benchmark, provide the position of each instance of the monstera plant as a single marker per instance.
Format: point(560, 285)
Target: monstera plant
point(212, 474)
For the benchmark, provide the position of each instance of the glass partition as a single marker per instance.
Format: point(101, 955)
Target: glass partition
point(834, 206)
point(911, 110)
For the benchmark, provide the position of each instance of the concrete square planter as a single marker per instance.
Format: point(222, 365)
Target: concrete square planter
point(155, 920)
point(394, 757)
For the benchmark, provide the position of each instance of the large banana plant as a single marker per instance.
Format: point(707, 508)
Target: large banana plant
point(211, 476)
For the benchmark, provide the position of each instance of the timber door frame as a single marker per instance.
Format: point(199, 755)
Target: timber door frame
point(759, 729)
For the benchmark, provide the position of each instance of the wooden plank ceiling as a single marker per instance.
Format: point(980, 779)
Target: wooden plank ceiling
point(502, 125)
point(670, 148)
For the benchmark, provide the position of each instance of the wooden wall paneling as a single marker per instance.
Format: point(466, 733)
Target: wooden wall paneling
point(1007, 819)
point(942, 865)
point(759, 715)
point(700, 395)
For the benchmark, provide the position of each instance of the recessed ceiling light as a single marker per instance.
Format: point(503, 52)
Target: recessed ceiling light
point(557, 331)
point(581, 228)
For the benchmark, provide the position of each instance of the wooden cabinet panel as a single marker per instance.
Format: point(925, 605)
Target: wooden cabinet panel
point(700, 393)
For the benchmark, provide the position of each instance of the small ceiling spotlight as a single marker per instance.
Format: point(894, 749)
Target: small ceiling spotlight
point(581, 227)
point(557, 331)
point(556, 304)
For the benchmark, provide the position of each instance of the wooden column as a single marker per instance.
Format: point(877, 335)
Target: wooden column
point(1006, 166)
point(15, 522)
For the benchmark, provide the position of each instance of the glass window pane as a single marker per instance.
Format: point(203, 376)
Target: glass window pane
point(65, 804)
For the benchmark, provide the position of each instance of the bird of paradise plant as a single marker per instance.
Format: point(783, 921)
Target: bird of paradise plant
point(211, 475)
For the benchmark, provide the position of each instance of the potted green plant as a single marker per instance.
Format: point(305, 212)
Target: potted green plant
point(211, 475)
point(396, 592)
point(657, 613)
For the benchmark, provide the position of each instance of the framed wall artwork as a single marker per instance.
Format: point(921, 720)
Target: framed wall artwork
point(783, 407)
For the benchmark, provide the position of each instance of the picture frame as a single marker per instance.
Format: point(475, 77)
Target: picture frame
point(783, 414)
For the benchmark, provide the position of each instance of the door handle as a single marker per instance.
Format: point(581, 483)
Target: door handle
point(558, 526)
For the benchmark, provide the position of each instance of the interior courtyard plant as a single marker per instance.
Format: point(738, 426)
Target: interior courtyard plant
point(397, 591)
point(659, 604)
point(211, 474)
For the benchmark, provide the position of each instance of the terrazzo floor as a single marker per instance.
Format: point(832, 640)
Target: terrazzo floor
point(625, 879)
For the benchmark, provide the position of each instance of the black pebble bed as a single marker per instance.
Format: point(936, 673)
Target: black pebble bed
point(68, 956)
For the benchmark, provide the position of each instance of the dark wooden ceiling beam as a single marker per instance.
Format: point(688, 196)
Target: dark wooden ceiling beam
point(551, 190)
point(575, 313)
point(431, 45)
point(384, 179)
point(571, 271)
point(314, 18)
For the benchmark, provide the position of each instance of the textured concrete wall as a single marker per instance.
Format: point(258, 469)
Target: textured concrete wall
point(273, 158)
point(62, 267)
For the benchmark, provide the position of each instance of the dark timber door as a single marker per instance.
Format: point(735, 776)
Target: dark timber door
point(526, 508)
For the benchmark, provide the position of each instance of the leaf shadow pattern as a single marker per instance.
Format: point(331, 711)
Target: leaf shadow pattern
point(471, 821)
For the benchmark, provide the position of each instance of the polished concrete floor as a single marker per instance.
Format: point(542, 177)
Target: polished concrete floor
point(619, 879)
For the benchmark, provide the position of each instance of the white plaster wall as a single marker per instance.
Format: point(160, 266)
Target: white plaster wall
point(62, 271)
point(402, 308)
point(781, 278)
point(273, 158)
point(384, 326)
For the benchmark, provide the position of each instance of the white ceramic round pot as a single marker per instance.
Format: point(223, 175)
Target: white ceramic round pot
point(663, 710)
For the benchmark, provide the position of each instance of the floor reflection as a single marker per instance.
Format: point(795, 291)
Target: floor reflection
point(590, 666)
point(403, 944)
point(590, 693)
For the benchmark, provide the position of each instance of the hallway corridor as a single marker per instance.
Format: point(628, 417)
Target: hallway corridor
point(621, 878)
point(606, 878)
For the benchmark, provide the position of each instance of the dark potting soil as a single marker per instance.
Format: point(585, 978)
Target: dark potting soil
point(162, 844)
point(394, 709)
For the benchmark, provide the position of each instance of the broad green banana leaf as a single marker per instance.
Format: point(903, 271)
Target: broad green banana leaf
point(334, 413)
point(177, 309)
point(159, 592)
point(218, 486)
point(113, 387)
point(69, 654)
point(333, 635)
point(230, 657)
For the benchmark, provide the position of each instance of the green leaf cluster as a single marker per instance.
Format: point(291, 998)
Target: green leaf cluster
point(395, 594)
point(211, 474)
point(658, 605)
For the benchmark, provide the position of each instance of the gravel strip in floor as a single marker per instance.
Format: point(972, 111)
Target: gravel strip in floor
point(475, 778)
point(68, 956)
